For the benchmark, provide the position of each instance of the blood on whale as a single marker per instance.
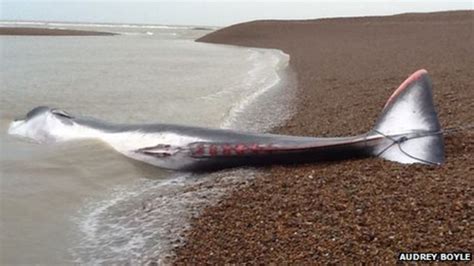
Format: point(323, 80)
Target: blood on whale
point(203, 149)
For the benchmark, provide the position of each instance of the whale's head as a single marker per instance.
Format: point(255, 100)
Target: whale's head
point(42, 124)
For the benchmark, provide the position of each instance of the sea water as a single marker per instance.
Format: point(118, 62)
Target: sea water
point(81, 202)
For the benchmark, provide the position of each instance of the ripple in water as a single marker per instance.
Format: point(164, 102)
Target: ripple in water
point(143, 223)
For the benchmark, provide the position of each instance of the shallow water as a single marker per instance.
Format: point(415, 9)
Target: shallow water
point(81, 201)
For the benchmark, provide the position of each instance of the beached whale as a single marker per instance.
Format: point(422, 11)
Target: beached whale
point(408, 131)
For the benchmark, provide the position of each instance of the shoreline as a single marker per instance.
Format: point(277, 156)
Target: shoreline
point(242, 115)
point(31, 31)
point(364, 210)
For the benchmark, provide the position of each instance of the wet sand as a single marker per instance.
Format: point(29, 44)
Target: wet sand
point(49, 32)
point(364, 210)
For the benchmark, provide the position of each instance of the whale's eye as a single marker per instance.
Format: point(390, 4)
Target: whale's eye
point(61, 113)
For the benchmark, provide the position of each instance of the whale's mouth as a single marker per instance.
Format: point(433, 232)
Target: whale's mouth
point(17, 129)
point(12, 129)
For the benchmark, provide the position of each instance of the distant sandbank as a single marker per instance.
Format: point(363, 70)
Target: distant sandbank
point(50, 32)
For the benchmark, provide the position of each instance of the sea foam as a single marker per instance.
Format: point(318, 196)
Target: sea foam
point(144, 222)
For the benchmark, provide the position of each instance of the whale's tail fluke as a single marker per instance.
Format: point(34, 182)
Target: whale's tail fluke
point(410, 124)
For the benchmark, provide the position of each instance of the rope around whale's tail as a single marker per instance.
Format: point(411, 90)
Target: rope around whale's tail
point(410, 124)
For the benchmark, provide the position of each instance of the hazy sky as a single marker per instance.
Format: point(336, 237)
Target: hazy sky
point(217, 13)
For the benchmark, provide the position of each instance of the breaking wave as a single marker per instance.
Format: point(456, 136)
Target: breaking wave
point(143, 223)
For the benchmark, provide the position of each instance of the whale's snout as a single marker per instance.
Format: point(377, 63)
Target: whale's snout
point(14, 124)
point(15, 127)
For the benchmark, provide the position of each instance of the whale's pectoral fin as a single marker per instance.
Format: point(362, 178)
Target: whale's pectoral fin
point(410, 124)
point(159, 151)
